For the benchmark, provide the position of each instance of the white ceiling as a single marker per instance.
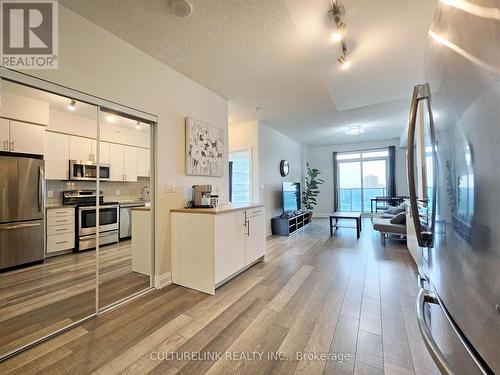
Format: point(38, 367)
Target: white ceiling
point(278, 55)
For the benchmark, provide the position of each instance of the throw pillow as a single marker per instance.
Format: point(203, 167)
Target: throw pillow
point(399, 218)
point(395, 210)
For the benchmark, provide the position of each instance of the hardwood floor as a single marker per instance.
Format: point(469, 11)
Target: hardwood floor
point(313, 294)
point(37, 300)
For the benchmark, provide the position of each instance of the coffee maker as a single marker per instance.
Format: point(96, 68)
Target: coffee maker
point(201, 196)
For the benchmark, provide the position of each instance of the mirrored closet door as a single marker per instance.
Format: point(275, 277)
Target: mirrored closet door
point(125, 255)
point(47, 174)
point(76, 209)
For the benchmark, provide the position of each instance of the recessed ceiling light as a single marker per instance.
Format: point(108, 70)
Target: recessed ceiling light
point(110, 118)
point(138, 125)
point(72, 105)
point(354, 130)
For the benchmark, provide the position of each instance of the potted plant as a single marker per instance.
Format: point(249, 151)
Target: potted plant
point(311, 190)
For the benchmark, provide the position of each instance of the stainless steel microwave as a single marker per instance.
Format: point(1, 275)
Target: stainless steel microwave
point(87, 171)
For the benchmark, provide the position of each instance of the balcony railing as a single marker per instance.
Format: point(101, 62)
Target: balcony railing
point(350, 199)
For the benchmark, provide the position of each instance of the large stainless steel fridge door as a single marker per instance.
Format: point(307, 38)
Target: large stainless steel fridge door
point(464, 262)
point(8, 189)
point(21, 242)
point(31, 189)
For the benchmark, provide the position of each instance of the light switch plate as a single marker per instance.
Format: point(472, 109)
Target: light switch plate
point(117, 192)
point(50, 194)
point(169, 187)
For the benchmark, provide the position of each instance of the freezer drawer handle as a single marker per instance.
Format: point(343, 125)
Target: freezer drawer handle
point(17, 226)
point(425, 296)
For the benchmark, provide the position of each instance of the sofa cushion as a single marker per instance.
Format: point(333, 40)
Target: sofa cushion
point(384, 225)
point(399, 218)
point(395, 210)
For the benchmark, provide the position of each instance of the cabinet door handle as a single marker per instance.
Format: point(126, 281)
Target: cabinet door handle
point(61, 242)
point(248, 228)
point(6, 145)
point(12, 146)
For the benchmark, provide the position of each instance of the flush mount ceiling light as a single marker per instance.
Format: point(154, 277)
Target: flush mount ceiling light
point(138, 125)
point(72, 105)
point(181, 8)
point(354, 130)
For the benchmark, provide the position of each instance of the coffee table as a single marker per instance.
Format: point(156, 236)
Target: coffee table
point(356, 216)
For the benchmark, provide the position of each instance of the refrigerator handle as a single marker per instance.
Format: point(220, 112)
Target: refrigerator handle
point(420, 92)
point(410, 168)
point(40, 189)
point(425, 296)
point(434, 165)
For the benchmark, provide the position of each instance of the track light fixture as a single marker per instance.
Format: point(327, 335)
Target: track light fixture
point(138, 125)
point(339, 33)
point(72, 105)
point(335, 15)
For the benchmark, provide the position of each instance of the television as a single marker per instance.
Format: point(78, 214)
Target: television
point(291, 196)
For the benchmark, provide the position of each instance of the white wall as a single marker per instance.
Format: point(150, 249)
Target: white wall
point(274, 147)
point(245, 136)
point(94, 61)
point(270, 148)
point(321, 157)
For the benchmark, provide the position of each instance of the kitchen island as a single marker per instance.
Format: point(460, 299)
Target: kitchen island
point(210, 246)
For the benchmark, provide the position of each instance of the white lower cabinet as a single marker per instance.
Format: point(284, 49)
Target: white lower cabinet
point(210, 248)
point(60, 229)
point(229, 244)
point(255, 239)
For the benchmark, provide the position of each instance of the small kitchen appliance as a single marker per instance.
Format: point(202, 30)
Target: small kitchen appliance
point(201, 196)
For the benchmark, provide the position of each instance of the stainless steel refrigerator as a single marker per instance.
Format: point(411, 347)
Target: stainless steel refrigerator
point(22, 224)
point(454, 178)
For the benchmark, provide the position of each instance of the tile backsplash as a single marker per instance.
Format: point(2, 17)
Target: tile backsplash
point(113, 191)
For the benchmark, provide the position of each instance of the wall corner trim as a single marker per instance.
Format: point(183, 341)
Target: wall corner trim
point(163, 280)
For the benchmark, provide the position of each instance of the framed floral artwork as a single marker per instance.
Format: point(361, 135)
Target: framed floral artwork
point(204, 149)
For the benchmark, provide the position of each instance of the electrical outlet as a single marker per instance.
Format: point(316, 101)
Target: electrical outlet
point(117, 192)
point(50, 194)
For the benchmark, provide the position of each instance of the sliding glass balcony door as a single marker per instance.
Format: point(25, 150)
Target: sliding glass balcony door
point(362, 176)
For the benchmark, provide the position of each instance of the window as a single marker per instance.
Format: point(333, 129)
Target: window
point(241, 176)
point(362, 176)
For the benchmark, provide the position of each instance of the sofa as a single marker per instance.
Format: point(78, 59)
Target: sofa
point(391, 223)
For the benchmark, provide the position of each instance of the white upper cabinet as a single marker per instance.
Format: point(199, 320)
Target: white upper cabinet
point(56, 156)
point(143, 162)
point(24, 109)
point(116, 161)
point(4, 134)
point(103, 151)
point(26, 138)
point(80, 148)
point(130, 163)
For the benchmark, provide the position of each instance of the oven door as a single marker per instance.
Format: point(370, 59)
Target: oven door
point(108, 219)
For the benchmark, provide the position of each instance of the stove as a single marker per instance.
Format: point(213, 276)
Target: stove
point(85, 202)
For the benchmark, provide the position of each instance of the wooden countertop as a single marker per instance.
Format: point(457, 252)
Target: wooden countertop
point(219, 210)
point(141, 208)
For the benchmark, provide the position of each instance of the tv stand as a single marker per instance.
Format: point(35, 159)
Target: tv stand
point(287, 226)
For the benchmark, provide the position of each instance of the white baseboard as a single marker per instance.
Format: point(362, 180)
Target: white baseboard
point(163, 280)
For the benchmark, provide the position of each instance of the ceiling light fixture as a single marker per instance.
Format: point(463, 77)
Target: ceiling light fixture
point(343, 59)
point(110, 118)
point(72, 106)
point(338, 34)
point(335, 15)
point(138, 125)
point(181, 8)
point(354, 130)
